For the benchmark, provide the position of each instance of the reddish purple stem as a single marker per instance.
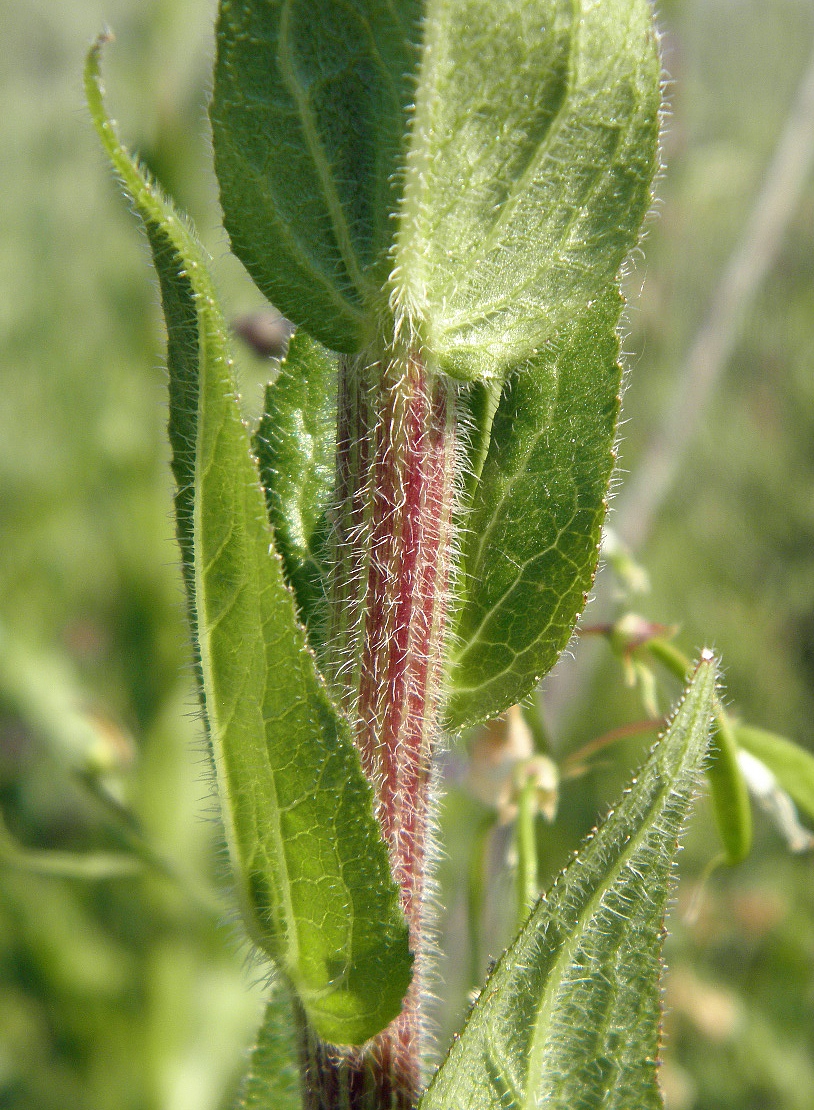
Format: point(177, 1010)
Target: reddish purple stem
point(389, 602)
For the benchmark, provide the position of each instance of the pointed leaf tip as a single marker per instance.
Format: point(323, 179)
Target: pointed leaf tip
point(571, 1014)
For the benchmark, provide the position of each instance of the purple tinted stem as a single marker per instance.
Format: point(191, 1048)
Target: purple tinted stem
point(395, 483)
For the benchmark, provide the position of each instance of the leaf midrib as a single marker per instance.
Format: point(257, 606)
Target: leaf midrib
point(334, 205)
point(294, 245)
point(569, 948)
point(518, 471)
point(238, 848)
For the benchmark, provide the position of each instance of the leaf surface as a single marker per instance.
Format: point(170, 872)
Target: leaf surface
point(728, 791)
point(516, 155)
point(295, 445)
point(530, 541)
point(311, 866)
point(273, 1078)
point(569, 1019)
point(532, 151)
point(309, 113)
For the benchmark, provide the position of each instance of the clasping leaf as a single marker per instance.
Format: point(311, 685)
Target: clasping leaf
point(475, 172)
point(532, 150)
point(309, 112)
point(295, 444)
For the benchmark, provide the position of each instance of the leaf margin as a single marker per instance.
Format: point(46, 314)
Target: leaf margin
point(465, 1057)
point(357, 1020)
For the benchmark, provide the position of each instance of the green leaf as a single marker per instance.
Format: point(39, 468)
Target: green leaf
point(273, 1078)
point(311, 866)
point(330, 118)
point(569, 1019)
point(309, 114)
point(532, 152)
point(295, 445)
point(791, 765)
point(531, 538)
point(728, 792)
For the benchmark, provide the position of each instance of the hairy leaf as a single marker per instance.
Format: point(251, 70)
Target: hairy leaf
point(516, 153)
point(295, 445)
point(311, 866)
point(309, 114)
point(728, 792)
point(791, 765)
point(532, 152)
point(569, 1019)
point(531, 537)
point(272, 1079)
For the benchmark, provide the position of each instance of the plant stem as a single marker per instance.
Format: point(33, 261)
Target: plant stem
point(476, 889)
point(528, 888)
point(395, 486)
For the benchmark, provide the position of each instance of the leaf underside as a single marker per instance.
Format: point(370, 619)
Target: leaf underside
point(530, 540)
point(570, 1017)
point(309, 111)
point(311, 865)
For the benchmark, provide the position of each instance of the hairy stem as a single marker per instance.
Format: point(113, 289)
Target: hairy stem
point(395, 482)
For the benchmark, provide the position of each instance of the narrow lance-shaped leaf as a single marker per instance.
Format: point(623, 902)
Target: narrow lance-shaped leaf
point(569, 1019)
point(310, 863)
point(531, 537)
point(295, 445)
point(532, 152)
point(728, 791)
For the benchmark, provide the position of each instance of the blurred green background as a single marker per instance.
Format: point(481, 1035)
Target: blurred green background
point(135, 992)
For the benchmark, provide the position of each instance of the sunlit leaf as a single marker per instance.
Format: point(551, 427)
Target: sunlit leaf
point(728, 792)
point(309, 114)
point(311, 866)
point(531, 537)
point(531, 155)
point(516, 155)
point(570, 1017)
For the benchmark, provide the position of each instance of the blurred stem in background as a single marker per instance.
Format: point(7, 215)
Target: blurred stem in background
point(700, 373)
